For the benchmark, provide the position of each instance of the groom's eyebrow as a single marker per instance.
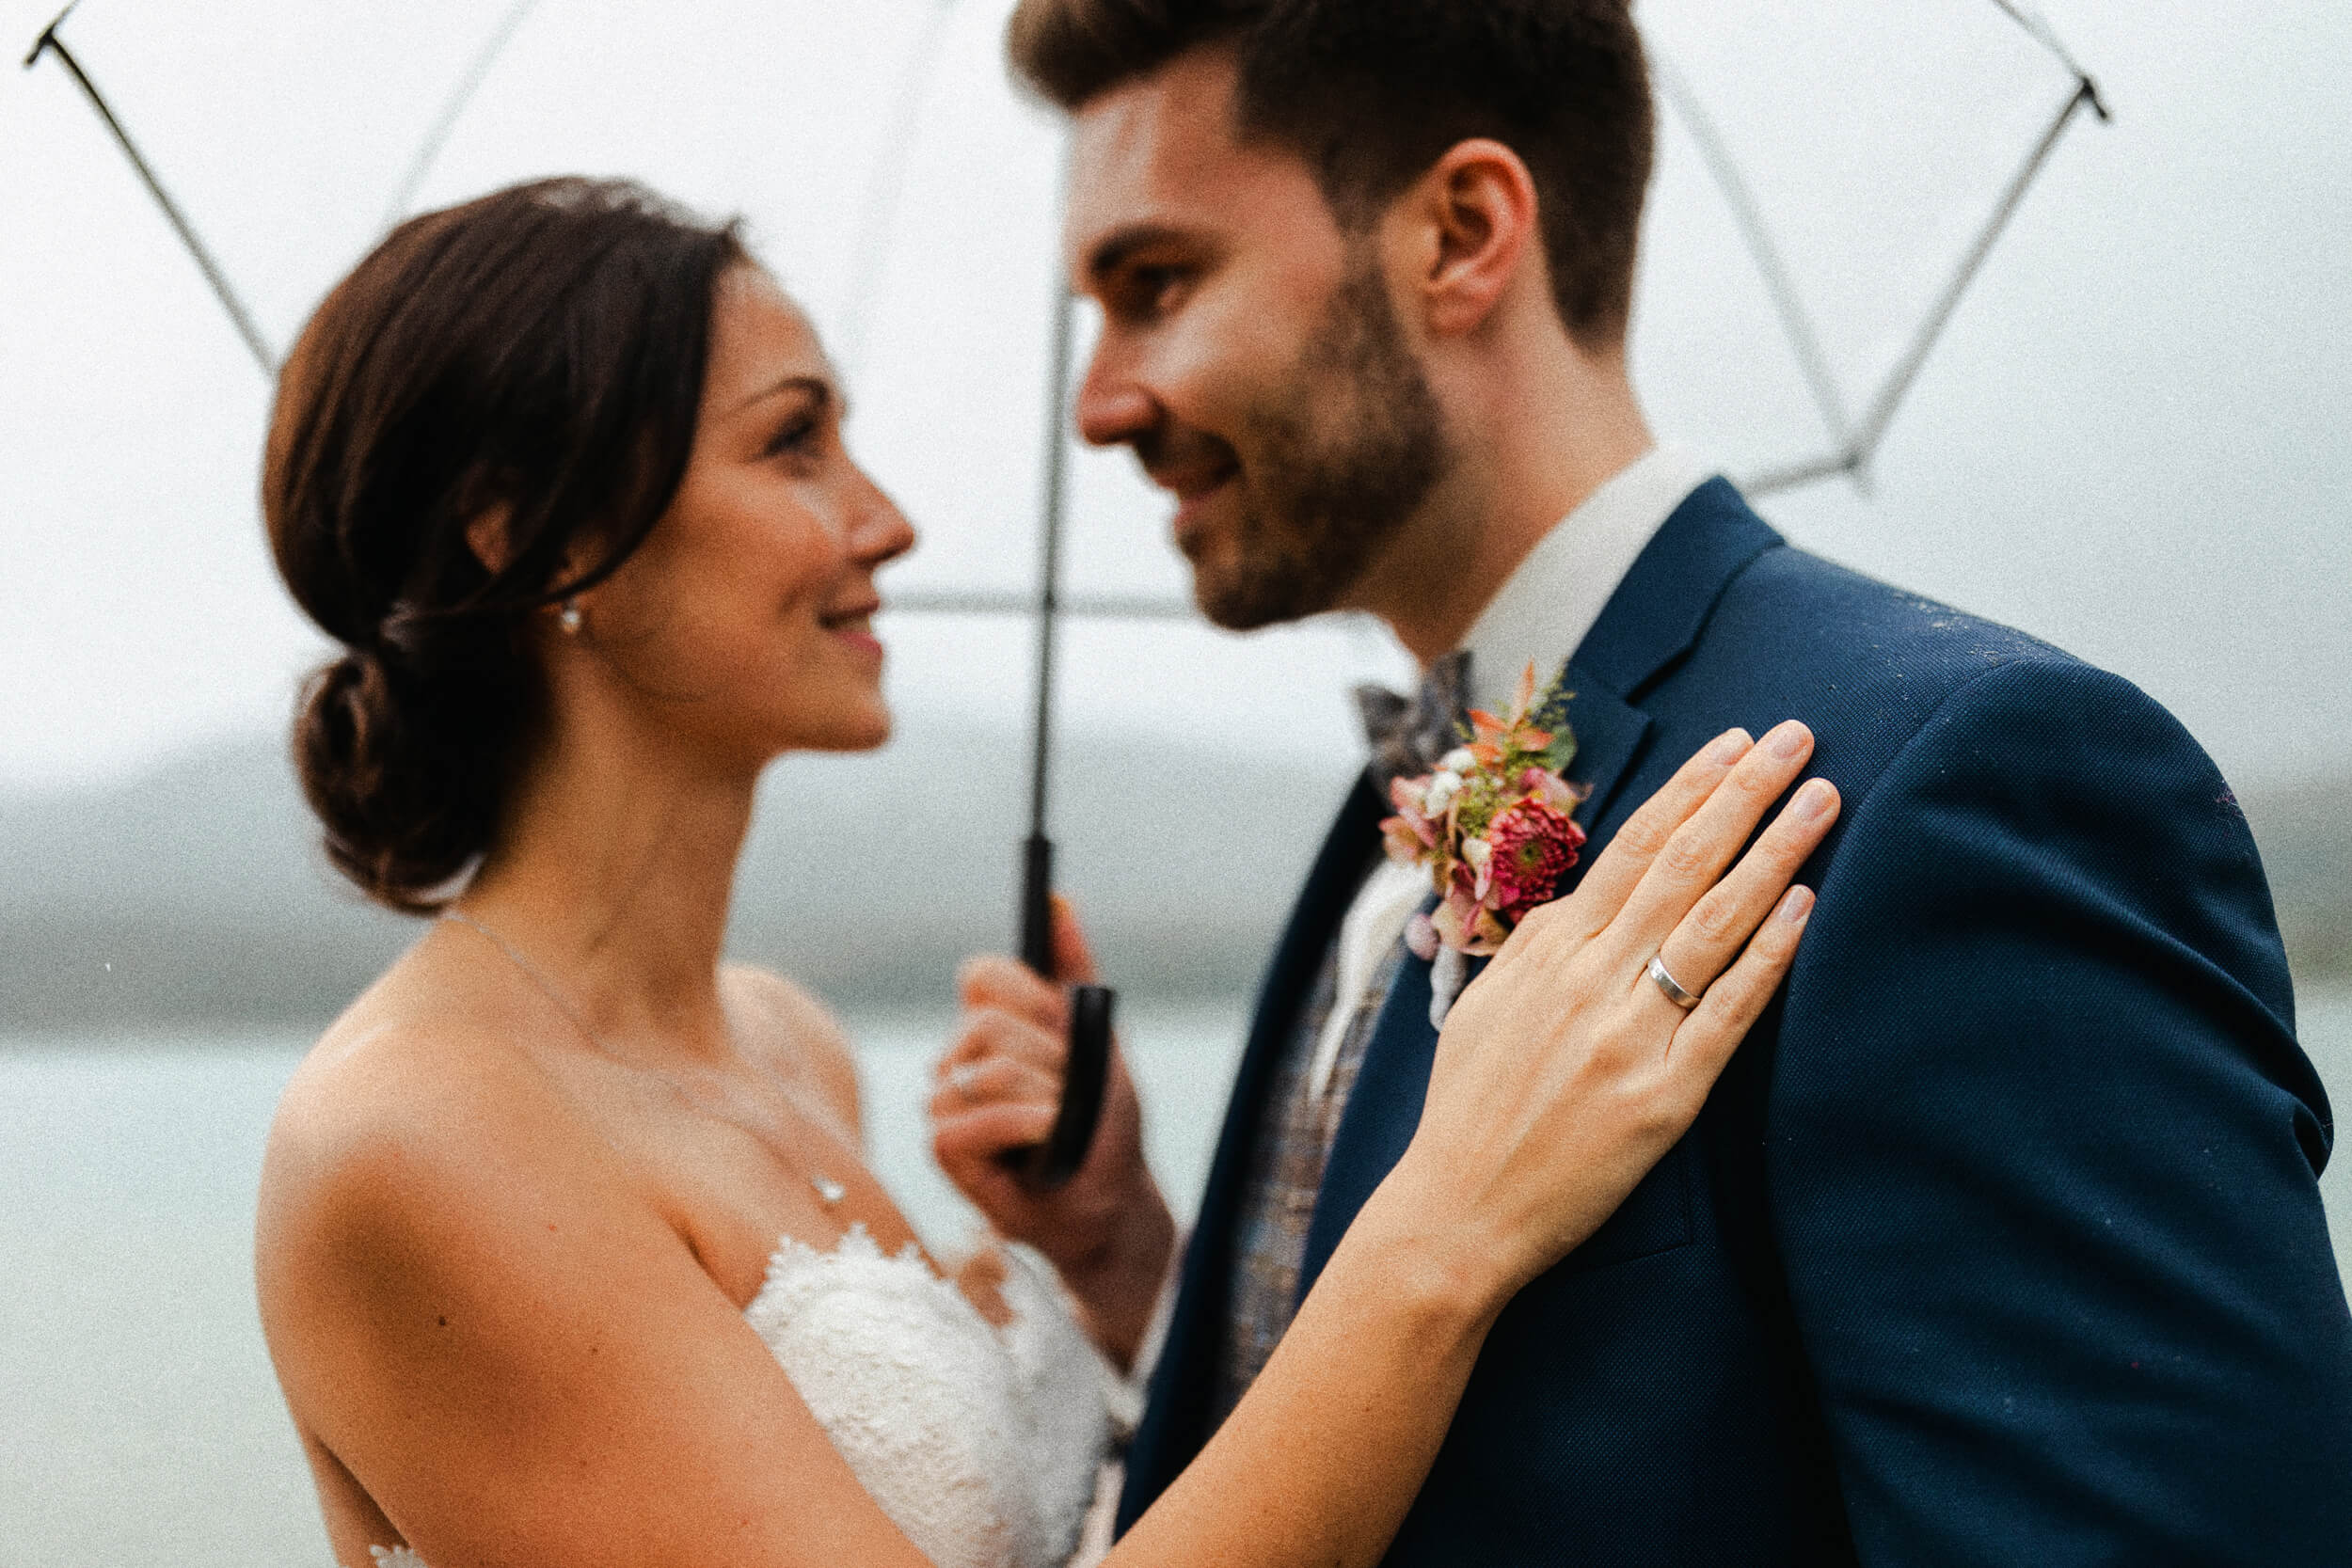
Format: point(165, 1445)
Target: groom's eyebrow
point(1114, 250)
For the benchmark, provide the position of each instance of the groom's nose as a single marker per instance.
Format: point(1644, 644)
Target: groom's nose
point(1114, 409)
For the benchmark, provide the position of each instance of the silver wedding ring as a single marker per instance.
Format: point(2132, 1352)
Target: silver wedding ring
point(1681, 998)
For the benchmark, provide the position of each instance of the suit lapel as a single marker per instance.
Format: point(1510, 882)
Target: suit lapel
point(1657, 613)
point(1174, 1424)
point(1610, 735)
point(1648, 625)
point(1382, 1110)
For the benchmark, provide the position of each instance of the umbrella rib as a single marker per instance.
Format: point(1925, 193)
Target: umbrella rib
point(887, 188)
point(49, 44)
point(2038, 27)
point(429, 151)
point(1779, 282)
point(1795, 475)
point(1906, 372)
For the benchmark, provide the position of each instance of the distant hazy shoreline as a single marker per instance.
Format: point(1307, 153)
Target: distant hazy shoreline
point(194, 900)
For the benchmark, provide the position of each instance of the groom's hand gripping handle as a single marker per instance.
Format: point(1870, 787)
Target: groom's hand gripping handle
point(999, 1092)
point(1049, 1164)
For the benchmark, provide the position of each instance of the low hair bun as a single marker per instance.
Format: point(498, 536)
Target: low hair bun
point(400, 774)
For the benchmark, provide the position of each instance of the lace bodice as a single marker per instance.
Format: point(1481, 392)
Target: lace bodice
point(981, 1444)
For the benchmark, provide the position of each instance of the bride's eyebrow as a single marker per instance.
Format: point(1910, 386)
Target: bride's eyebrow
point(817, 388)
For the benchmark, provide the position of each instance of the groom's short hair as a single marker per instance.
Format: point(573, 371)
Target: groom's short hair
point(1372, 92)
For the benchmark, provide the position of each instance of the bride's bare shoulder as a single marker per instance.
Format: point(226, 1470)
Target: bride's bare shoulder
point(796, 1034)
point(404, 1110)
point(435, 1215)
point(425, 1048)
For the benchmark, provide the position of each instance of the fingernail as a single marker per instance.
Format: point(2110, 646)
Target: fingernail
point(1797, 907)
point(1791, 739)
point(1731, 746)
point(1813, 802)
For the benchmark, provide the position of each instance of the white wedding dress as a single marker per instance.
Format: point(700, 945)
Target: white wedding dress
point(981, 1442)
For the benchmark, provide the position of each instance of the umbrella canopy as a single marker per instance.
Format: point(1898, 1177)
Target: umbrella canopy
point(321, 124)
point(1832, 177)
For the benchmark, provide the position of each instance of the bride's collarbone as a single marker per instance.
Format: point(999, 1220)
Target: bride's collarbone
point(735, 1194)
point(738, 1160)
point(735, 1213)
point(736, 1228)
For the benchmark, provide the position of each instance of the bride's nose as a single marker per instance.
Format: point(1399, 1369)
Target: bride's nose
point(879, 531)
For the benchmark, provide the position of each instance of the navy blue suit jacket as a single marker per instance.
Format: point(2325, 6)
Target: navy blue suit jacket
point(2000, 1243)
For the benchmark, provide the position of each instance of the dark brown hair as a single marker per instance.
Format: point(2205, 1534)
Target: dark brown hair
point(535, 354)
point(1372, 92)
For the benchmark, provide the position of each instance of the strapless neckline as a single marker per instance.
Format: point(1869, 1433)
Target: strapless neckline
point(982, 1442)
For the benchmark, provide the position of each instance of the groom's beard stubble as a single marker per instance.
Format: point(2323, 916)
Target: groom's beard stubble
point(1344, 452)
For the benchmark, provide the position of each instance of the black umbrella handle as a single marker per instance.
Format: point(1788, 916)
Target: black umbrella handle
point(1085, 1070)
point(1085, 1077)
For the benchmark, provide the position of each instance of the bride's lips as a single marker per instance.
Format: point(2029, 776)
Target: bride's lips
point(853, 625)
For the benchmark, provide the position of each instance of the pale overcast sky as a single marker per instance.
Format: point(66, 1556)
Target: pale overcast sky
point(2132, 442)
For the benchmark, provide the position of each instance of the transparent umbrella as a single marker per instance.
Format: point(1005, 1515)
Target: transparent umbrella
point(1861, 158)
point(1833, 177)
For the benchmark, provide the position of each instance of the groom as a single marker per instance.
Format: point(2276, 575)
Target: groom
point(2001, 1241)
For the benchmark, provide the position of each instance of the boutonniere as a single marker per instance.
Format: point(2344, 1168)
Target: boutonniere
point(1494, 828)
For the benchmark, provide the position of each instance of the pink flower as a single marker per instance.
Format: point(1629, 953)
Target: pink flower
point(1535, 843)
point(1462, 923)
point(1452, 916)
point(1409, 835)
point(1478, 857)
point(1555, 791)
point(1408, 839)
point(1421, 935)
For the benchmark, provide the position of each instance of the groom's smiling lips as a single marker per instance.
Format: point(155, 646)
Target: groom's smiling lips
point(1192, 498)
point(1194, 478)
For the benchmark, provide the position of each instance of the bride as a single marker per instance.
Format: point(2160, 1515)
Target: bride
point(566, 1250)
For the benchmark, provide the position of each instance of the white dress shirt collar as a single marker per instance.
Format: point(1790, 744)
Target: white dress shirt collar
point(1557, 593)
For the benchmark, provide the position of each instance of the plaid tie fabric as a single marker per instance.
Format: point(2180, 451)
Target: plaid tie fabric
point(1297, 1125)
point(1294, 1134)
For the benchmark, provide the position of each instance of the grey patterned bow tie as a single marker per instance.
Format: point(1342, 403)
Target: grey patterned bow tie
point(1408, 735)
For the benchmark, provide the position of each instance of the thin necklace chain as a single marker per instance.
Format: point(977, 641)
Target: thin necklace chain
point(829, 1191)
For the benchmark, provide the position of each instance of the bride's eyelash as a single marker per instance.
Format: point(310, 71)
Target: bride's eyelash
point(796, 435)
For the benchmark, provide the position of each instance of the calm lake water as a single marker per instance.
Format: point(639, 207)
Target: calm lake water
point(141, 1428)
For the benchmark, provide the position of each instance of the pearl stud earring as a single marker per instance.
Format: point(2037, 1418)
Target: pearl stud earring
point(573, 617)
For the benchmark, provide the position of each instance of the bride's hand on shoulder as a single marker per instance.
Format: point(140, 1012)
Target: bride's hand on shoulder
point(1565, 1072)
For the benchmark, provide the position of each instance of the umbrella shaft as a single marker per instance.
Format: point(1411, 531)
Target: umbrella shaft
point(1037, 904)
point(1049, 565)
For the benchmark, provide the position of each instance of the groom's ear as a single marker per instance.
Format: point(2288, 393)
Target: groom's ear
point(1470, 236)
